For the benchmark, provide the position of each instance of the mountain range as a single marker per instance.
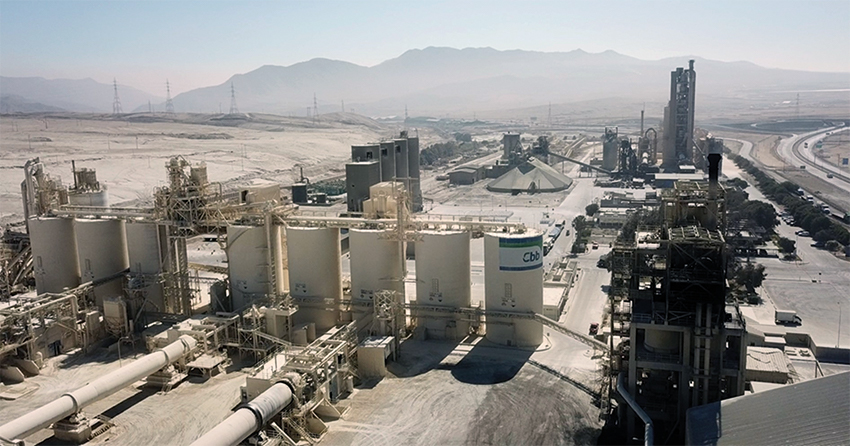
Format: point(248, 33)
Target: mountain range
point(437, 81)
point(79, 95)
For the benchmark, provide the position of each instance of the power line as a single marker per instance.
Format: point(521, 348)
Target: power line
point(169, 106)
point(116, 102)
point(233, 108)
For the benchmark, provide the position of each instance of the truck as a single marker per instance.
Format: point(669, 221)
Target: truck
point(787, 317)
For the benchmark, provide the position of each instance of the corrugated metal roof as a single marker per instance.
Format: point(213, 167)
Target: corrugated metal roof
point(815, 412)
point(766, 359)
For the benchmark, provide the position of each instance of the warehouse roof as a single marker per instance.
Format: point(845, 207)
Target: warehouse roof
point(811, 412)
point(532, 175)
point(766, 359)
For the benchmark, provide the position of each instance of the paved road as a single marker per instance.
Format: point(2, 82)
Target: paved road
point(805, 156)
point(813, 286)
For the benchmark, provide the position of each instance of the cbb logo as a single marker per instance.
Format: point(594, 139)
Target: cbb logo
point(531, 256)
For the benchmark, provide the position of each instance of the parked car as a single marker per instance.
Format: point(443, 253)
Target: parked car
point(594, 329)
point(802, 233)
point(829, 175)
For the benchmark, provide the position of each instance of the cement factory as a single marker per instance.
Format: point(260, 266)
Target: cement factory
point(314, 301)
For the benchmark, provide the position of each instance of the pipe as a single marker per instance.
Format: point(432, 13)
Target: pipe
point(647, 430)
point(249, 418)
point(74, 401)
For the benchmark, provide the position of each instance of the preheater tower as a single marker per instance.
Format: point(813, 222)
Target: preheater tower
point(513, 282)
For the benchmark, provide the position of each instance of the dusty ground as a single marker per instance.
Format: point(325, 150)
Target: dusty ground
point(835, 147)
point(130, 155)
point(446, 394)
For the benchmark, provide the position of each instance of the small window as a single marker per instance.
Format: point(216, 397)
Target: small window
point(368, 155)
point(384, 152)
point(435, 285)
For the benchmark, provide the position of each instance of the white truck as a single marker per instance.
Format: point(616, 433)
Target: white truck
point(787, 317)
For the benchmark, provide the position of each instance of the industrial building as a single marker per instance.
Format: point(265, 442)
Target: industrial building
point(678, 129)
point(466, 175)
point(684, 346)
point(396, 159)
point(812, 412)
point(281, 299)
point(530, 176)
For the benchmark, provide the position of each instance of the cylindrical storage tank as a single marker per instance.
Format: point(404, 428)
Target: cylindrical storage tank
point(83, 198)
point(247, 261)
point(147, 244)
point(387, 150)
point(413, 172)
point(375, 263)
point(610, 150)
point(54, 254)
point(401, 170)
point(513, 282)
point(443, 279)
point(315, 273)
point(662, 341)
point(102, 252)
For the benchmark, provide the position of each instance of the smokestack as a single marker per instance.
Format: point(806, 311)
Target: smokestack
point(713, 167)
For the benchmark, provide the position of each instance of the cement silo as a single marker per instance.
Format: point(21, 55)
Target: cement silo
point(102, 252)
point(248, 264)
point(413, 172)
point(315, 274)
point(147, 248)
point(54, 254)
point(443, 280)
point(364, 152)
point(401, 170)
point(513, 282)
point(375, 263)
point(387, 160)
point(610, 149)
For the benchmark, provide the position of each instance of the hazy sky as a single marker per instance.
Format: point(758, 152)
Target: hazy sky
point(196, 43)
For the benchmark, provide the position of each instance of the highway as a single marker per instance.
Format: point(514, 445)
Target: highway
point(793, 151)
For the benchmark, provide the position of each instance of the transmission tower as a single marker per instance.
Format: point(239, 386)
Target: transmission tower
point(405, 112)
point(343, 105)
point(233, 108)
point(315, 108)
point(798, 106)
point(550, 114)
point(116, 102)
point(169, 106)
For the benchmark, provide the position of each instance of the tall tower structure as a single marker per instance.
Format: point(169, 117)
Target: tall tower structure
point(679, 118)
point(686, 345)
point(315, 108)
point(116, 102)
point(233, 108)
point(169, 106)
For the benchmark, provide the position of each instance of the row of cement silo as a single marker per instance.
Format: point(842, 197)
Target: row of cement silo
point(70, 251)
point(513, 280)
point(380, 162)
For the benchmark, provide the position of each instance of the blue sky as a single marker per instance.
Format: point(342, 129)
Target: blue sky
point(196, 43)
